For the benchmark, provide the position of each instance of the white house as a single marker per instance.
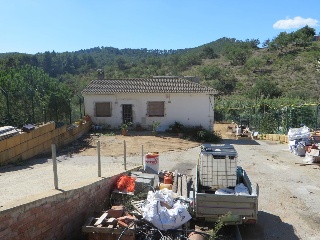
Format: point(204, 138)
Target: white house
point(144, 101)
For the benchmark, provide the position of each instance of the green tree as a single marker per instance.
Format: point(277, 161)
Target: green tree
point(238, 53)
point(264, 89)
point(208, 52)
point(281, 42)
point(303, 37)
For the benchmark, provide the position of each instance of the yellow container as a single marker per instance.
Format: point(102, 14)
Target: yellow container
point(165, 185)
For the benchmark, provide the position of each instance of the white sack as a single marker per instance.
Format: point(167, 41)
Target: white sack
point(298, 133)
point(241, 189)
point(224, 191)
point(161, 217)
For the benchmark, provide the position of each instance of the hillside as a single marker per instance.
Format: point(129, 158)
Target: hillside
point(286, 67)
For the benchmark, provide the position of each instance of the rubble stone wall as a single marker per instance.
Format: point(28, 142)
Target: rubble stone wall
point(26, 145)
point(59, 216)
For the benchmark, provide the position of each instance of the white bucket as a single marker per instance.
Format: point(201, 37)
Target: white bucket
point(151, 162)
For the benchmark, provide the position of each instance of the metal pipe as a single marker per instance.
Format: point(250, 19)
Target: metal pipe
point(125, 154)
point(55, 169)
point(317, 112)
point(142, 155)
point(99, 159)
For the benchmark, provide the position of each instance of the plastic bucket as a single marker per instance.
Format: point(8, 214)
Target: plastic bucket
point(151, 162)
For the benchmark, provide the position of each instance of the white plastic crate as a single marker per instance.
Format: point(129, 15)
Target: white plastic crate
point(217, 171)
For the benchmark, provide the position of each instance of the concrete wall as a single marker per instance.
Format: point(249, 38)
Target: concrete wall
point(26, 145)
point(60, 215)
point(189, 109)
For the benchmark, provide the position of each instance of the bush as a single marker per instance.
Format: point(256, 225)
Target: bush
point(176, 127)
point(195, 133)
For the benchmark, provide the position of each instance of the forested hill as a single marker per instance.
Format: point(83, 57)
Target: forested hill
point(285, 66)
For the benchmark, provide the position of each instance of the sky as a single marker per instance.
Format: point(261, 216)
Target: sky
point(36, 26)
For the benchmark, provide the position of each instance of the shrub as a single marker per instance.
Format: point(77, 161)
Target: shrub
point(195, 133)
point(176, 127)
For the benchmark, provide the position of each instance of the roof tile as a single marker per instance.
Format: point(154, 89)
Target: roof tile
point(142, 85)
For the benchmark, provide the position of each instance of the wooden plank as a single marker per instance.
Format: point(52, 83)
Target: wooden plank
point(138, 205)
point(100, 219)
point(184, 187)
point(179, 188)
point(175, 182)
point(111, 222)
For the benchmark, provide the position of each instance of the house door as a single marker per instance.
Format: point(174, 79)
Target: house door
point(127, 113)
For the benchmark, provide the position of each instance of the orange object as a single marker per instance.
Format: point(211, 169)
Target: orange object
point(126, 183)
point(168, 179)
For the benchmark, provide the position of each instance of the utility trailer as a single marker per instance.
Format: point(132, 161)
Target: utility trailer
point(217, 169)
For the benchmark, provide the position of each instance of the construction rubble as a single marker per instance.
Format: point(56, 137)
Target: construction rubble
point(146, 206)
point(304, 143)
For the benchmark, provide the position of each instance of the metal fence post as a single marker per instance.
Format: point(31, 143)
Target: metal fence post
point(125, 154)
point(54, 160)
point(142, 155)
point(99, 159)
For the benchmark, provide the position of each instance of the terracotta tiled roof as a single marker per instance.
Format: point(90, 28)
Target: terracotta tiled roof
point(142, 85)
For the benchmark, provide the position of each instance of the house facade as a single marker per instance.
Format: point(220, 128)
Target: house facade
point(143, 101)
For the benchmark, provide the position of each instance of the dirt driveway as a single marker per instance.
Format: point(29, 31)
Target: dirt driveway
point(289, 200)
point(113, 145)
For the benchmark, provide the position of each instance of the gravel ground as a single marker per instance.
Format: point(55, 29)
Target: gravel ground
point(289, 201)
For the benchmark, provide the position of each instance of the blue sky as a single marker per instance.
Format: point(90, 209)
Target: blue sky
point(32, 26)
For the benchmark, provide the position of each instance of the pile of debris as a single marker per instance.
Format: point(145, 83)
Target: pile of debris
point(145, 206)
point(304, 143)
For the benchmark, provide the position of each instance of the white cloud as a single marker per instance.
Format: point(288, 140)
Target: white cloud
point(296, 22)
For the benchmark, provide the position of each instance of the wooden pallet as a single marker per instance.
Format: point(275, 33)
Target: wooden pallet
point(107, 228)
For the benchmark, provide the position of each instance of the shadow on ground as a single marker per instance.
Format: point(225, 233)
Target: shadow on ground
point(269, 226)
point(240, 142)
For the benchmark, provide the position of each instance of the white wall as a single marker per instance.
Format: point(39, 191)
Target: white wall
point(189, 109)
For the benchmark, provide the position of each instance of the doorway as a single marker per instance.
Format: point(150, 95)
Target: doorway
point(127, 113)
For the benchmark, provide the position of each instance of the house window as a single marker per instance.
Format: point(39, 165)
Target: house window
point(103, 109)
point(155, 109)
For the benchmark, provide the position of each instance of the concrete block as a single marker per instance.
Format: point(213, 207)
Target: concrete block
point(36, 132)
point(47, 145)
point(26, 136)
point(54, 133)
point(4, 156)
point(33, 142)
point(62, 129)
point(13, 141)
point(11, 153)
point(28, 154)
point(51, 126)
point(18, 150)
point(24, 146)
point(43, 129)
point(39, 149)
point(46, 137)
point(3, 145)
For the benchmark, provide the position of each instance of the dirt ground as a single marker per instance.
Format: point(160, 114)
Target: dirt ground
point(289, 201)
point(113, 145)
point(289, 191)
